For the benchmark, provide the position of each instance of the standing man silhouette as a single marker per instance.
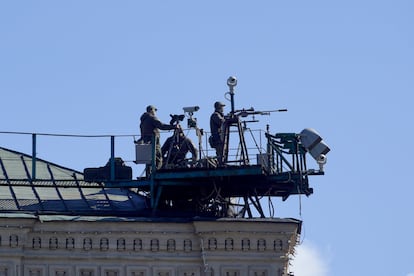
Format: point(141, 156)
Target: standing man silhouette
point(150, 127)
point(216, 127)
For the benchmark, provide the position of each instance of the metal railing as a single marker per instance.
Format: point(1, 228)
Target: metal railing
point(280, 152)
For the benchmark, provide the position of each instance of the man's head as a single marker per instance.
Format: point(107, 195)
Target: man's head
point(151, 109)
point(219, 106)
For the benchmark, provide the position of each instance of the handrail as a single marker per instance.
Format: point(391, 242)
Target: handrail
point(274, 151)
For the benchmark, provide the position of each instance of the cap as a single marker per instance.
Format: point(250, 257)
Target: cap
point(151, 107)
point(218, 104)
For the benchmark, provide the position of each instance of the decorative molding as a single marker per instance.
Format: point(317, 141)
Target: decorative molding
point(61, 270)
point(164, 271)
point(87, 271)
point(137, 245)
point(245, 244)
point(155, 245)
point(87, 244)
point(188, 245)
point(229, 244)
point(34, 270)
point(212, 244)
point(70, 243)
point(36, 243)
point(104, 244)
point(278, 245)
point(180, 249)
point(4, 270)
point(14, 241)
point(138, 271)
point(171, 245)
point(111, 271)
point(53, 243)
point(121, 244)
point(261, 245)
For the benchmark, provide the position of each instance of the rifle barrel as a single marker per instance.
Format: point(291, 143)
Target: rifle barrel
point(276, 110)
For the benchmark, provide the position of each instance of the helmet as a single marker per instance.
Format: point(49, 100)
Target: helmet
point(218, 105)
point(151, 107)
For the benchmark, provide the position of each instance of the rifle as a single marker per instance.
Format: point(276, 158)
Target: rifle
point(246, 112)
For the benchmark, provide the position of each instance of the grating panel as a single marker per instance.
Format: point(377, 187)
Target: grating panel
point(8, 205)
point(6, 199)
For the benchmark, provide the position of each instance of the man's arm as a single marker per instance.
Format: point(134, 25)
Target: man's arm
point(158, 124)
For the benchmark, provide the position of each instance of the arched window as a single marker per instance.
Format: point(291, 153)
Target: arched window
point(104, 244)
point(278, 245)
point(87, 244)
point(70, 243)
point(245, 244)
point(120, 244)
point(171, 245)
point(261, 245)
point(229, 244)
point(155, 245)
point(36, 243)
point(188, 245)
point(14, 241)
point(137, 245)
point(212, 244)
point(53, 243)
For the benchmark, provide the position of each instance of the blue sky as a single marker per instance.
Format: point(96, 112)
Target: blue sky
point(343, 68)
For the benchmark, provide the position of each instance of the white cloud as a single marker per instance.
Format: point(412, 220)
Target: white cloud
point(410, 274)
point(309, 261)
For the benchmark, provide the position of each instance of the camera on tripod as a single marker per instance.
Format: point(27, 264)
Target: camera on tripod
point(176, 119)
point(191, 109)
point(191, 122)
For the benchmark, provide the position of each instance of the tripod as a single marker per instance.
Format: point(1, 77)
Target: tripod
point(233, 121)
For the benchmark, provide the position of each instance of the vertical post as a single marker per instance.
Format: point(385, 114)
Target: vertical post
point(269, 152)
point(232, 82)
point(153, 168)
point(112, 158)
point(232, 99)
point(33, 156)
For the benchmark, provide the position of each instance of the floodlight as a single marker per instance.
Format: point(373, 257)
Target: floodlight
point(313, 143)
point(232, 81)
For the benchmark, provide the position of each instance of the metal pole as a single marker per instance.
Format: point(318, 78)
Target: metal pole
point(232, 82)
point(153, 168)
point(112, 158)
point(232, 99)
point(33, 156)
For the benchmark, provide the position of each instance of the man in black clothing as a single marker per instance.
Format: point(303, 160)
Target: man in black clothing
point(175, 149)
point(216, 127)
point(150, 127)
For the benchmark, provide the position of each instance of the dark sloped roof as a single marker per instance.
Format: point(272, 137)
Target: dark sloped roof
point(58, 190)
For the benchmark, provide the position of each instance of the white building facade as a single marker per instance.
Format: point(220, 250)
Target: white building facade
point(111, 246)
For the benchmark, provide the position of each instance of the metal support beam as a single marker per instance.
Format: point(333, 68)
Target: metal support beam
point(152, 176)
point(33, 156)
point(112, 177)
